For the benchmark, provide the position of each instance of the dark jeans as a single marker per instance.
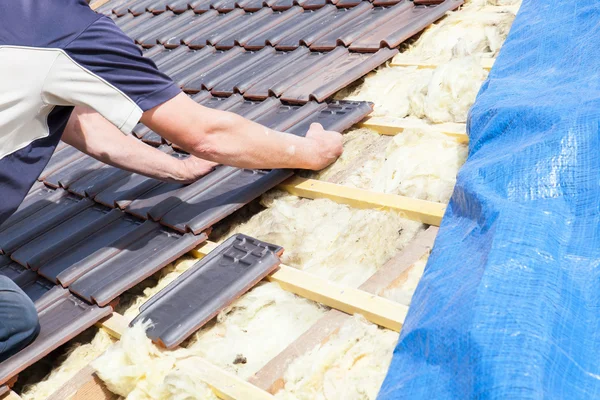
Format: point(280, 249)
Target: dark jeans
point(19, 323)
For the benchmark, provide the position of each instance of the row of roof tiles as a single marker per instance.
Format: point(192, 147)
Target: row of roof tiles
point(295, 77)
point(133, 8)
point(96, 251)
point(185, 208)
point(361, 26)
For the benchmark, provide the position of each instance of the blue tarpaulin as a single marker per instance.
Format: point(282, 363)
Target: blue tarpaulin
point(509, 305)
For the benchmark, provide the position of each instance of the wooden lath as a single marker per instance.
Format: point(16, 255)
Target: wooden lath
point(406, 60)
point(393, 126)
point(427, 212)
point(85, 385)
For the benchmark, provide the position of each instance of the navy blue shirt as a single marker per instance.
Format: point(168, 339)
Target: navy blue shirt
point(56, 54)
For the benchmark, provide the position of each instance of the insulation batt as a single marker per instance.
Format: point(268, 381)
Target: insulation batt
point(444, 94)
point(334, 241)
point(254, 329)
point(389, 88)
point(417, 163)
point(353, 362)
point(360, 145)
point(136, 369)
point(351, 365)
point(473, 31)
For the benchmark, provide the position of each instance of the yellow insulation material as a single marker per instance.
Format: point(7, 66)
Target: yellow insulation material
point(476, 30)
point(136, 369)
point(242, 340)
point(337, 242)
point(257, 327)
point(350, 365)
point(359, 145)
point(418, 164)
point(443, 94)
point(483, 3)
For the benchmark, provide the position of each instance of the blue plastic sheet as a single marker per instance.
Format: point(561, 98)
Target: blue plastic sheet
point(509, 305)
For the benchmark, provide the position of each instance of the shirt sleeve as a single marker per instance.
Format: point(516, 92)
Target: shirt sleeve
point(104, 69)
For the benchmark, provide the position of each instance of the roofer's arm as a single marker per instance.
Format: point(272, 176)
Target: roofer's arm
point(92, 134)
point(227, 138)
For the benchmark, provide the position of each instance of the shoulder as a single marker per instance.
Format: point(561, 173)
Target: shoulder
point(44, 24)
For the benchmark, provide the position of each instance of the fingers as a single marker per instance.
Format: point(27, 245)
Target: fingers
point(195, 168)
point(316, 125)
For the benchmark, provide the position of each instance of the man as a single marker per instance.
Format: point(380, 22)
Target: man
point(68, 73)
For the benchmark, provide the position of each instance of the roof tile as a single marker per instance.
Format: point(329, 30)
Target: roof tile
point(214, 282)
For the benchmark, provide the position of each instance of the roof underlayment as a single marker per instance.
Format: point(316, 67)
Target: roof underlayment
point(334, 241)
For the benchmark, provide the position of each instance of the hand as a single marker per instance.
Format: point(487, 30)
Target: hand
point(327, 146)
point(194, 168)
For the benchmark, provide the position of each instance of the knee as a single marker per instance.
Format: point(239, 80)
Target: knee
point(30, 324)
point(21, 323)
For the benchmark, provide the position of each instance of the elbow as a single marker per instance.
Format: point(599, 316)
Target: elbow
point(211, 143)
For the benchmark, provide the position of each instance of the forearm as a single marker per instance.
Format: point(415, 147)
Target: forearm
point(242, 143)
point(90, 133)
point(227, 138)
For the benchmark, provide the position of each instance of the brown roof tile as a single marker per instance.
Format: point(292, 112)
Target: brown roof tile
point(206, 288)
